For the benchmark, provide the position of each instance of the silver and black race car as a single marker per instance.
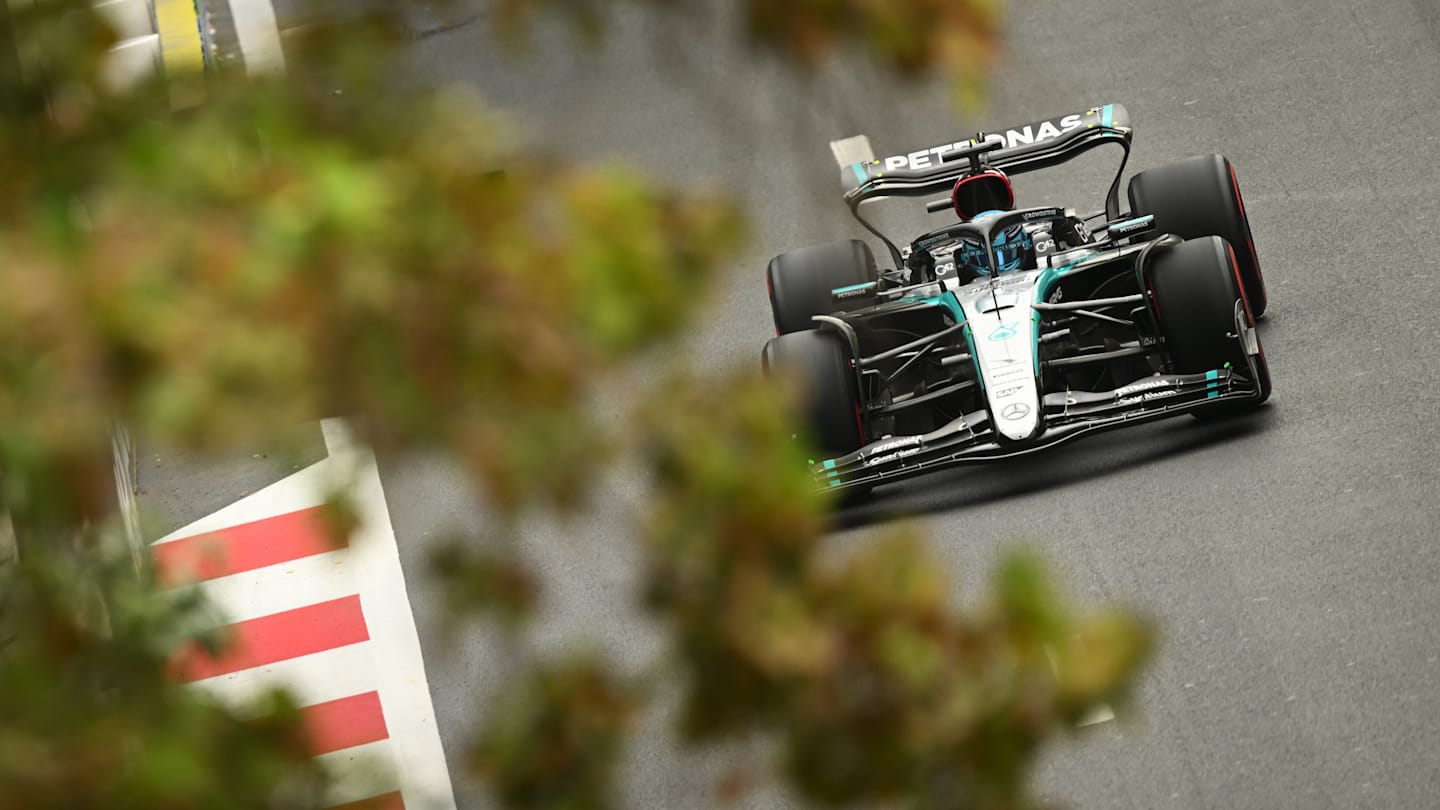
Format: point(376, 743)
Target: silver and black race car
point(1015, 329)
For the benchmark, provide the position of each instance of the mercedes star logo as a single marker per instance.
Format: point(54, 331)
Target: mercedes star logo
point(1015, 411)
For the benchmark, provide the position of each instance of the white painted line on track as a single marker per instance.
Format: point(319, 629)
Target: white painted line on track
point(8, 550)
point(122, 452)
point(389, 662)
point(363, 771)
point(301, 490)
point(855, 149)
point(278, 588)
point(259, 36)
point(1102, 714)
point(130, 19)
point(311, 679)
point(399, 665)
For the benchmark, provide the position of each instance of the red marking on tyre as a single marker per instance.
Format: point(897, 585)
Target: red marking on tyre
point(1235, 184)
point(1235, 271)
point(1245, 302)
point(344, 723)
point(277, 637)
point(1244, 220)
point(770, 293)
point(247, 547)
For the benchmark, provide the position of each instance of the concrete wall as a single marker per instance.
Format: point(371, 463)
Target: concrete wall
point(139, 52)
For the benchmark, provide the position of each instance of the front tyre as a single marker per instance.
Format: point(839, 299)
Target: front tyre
point(1200, 196)
point(800, 281)
point(820, 362)
point(1195, 287)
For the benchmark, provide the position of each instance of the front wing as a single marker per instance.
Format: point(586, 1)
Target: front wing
point(1068, 415)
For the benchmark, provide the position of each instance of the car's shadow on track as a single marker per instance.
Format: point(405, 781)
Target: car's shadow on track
point(1078, 462)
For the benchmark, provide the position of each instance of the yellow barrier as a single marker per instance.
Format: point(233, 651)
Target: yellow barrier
point(178, 24)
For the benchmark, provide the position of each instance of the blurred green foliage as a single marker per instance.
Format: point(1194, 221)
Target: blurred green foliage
point(284, 252)
point(89, 717)
point(556, 735)
point(877, 687)
point(957, 38)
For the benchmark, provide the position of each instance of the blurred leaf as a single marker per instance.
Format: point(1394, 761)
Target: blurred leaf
point(484, 582)
point(285, 252)
point(92, 720)
point(554, 737)
point(959, 39)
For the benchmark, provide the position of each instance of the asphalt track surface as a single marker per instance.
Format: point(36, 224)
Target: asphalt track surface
point(1287, 557)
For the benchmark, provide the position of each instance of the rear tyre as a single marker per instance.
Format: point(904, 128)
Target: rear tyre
point(1200, 196)
point(800, 282)
point(830, 404)
point(1195, 286)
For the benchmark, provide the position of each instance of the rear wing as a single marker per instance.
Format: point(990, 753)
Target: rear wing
point(1036, 145)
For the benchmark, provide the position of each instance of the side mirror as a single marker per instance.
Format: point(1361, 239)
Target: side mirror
point(853, 291)
point(1130, 227)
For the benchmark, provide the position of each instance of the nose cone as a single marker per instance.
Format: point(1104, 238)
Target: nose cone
point(1004, 340)
point(1016, 417)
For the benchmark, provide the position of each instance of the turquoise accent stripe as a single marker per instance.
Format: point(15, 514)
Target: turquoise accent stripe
point(974, 356)
point(1107, 115)
point(1035, 338)
point(1145, 220)
point(1050, 276)
point(1043, 285)
point(829, 464)
point(946, 299)
point(860, 176)
point(853, 287)
point(1210, 379)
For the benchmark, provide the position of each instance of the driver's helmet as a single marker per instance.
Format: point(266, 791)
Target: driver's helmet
point(977, 197)
point(1013, 248)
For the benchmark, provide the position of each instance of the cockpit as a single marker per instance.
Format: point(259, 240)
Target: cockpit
point(991, 237)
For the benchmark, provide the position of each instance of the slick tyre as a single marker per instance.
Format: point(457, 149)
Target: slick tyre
point(800, 282)
point(1200, 196)
point(1195, 286)
point(829, 405)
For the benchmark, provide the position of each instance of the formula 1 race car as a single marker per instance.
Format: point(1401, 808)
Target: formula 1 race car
point(1015, 329)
